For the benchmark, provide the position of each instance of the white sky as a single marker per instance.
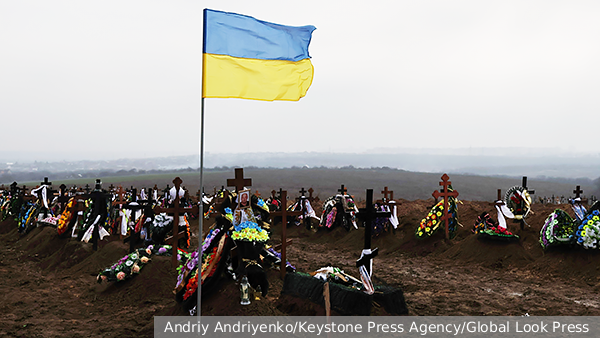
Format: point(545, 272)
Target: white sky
point(98, 79)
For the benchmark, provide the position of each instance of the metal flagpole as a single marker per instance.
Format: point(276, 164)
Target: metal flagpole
point(201, 206)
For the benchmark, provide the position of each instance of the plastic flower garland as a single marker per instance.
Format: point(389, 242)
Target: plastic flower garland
point(588, 233)
point(558, 228)
point(249, 231)
point(131, 264)
point(261, 204)
point(229, 214)
point(209, 237)
point(65, 217)
point(30, 218)
point(278, 255)
point(433, 221)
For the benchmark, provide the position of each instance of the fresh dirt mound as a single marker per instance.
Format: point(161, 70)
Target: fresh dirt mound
point(462, 276)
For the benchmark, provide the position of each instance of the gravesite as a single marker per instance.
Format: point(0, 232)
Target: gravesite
point(267, 223)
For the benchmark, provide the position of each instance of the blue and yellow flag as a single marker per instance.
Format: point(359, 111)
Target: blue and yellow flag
point(252, 59)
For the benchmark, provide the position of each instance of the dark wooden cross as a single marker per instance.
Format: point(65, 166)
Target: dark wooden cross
point(63, 197)
point(284, 214)
point(499, 200)
point(310, 196)
point(445, 194)
point(14, 189)
point(577, 192)
point(367, 215)
point(49, 194)
point(521, 202)
point(176, 210)
point(99, 199)
point(239, 182)
point(133, 236)
point(343, 190)
point(87, 189)
point(111, 188)
point(302, 200)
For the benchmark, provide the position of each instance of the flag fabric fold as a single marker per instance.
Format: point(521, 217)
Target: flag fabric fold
point(253, 59)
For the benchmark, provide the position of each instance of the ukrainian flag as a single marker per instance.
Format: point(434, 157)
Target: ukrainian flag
point(252, 59)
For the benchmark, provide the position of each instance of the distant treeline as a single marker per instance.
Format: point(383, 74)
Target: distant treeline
point(30, 176)
point(326, 181)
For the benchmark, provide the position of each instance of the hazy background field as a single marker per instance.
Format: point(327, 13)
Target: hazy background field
point(325, 182)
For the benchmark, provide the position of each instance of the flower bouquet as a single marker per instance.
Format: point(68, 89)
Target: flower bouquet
point(131, 264)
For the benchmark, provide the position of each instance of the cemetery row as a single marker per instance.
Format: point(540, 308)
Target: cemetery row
point(238, 243)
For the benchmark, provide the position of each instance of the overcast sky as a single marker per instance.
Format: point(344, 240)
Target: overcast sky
point(93, 79)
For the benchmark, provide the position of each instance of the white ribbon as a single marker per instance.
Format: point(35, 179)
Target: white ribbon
point(393, 216)
point(172, 194)
point(43, 189)
point(125, 216)
point(503, 211)
point(88, 234)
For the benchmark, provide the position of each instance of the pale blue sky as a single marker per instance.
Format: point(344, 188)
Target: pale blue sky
point(96, 78)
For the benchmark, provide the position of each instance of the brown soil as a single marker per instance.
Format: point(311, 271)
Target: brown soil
point(49, 284)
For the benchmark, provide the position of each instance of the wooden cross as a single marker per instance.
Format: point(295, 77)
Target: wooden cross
point(310, 196)
point(302, 200)
point(445, 194)
point(24, 194)
point(388, 195)
point(367, 215)
point(521, 202)
point(499, 200)
point(49, 194)
point(99, 199)
point(111, 188)
point(343, 190)
point(577, 192)
point(14, 188)
point(87, 189)
point(120, 201)
point(63, 197)
point(283, 213)
point(176, 210)
point(134, 236)
point(239, 182)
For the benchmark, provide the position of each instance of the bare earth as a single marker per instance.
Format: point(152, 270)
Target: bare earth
point(49, 284)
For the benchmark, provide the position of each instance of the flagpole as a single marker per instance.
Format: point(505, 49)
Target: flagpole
point(201, 206)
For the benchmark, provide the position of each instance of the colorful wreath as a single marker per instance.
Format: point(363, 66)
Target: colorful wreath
point(519, 201)
point(433, 221)
point(588, 232)
point(558, 228)
point(485, 227)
